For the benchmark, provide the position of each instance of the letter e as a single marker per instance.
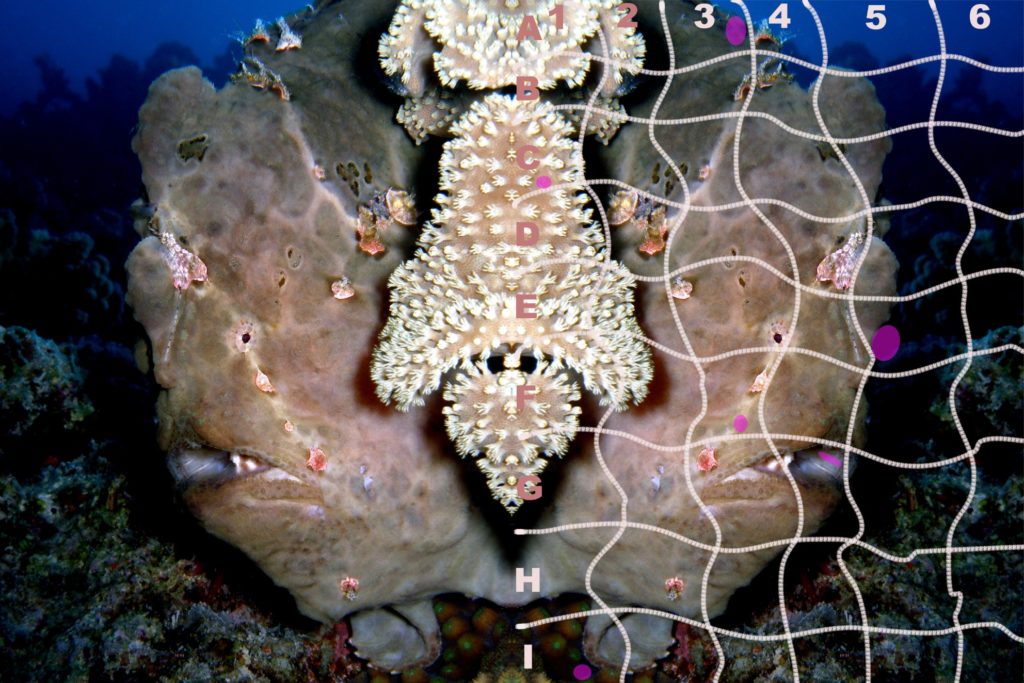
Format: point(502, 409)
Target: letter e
point(526, 305)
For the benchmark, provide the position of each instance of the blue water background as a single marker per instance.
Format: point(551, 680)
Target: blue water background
point(909, 33)
point(81, 37)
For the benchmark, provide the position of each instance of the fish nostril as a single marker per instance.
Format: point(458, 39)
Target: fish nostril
point(495, 364)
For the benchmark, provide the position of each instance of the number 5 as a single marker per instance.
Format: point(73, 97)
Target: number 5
point(876, 18)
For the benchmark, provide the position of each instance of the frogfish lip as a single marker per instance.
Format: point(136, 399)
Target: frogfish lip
point(815, 466)
point(808, 466)
point(819, 479)
point(215, 483)
point(201, 465)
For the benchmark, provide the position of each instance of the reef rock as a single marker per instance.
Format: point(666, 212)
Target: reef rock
point(261, 285)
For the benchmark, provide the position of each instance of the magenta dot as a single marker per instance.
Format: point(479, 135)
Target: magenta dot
point(739, 423)
point(735, 30)
point(544, 182)
point(829, 458)
point(581, 672)
point(886, 342)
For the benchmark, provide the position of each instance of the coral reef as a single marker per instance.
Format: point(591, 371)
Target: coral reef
point(83, 299)
point(466, 296)
point(92, 594)
point(502, 47)
point(271, 208)
point(42, 402)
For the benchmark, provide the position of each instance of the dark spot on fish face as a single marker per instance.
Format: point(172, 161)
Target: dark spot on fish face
point(193, 148)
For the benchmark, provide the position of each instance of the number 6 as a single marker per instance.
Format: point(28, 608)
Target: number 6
point(979, 16)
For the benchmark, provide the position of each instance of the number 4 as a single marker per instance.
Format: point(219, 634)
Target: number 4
point(780, 17)
point(876, 18)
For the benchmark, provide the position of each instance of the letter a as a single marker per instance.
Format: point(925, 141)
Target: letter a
point(528, 29)
point(526, 305)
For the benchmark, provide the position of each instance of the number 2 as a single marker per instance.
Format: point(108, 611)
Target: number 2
point(627, 20)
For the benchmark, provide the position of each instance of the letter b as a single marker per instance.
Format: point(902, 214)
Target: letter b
point(526, 88)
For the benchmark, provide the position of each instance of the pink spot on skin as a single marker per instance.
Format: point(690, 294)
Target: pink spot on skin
point(706, 460)
point(263, 382)
point(838, 266)
point(544, 182)
point(371, 246)
point(349, 587)
point(681, 289)
point(674, 587)
point(760, 382)
point(317, 460)
point(739, 423)
point(735, 30)
point(829, 458)
point(185, 266)
point(653, 244)
point(342, 289)
point(581, 672)
point(886, 342)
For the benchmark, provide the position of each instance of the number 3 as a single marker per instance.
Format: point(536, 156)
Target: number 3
point(707, 15)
